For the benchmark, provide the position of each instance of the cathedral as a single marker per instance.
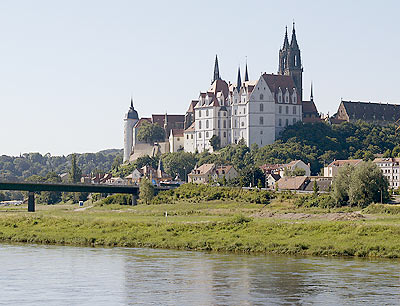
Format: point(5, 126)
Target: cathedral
point(254, 111)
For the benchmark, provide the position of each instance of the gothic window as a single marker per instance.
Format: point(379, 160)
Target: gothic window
point(261, 97)
point(261, 107)
point(261, 120)
point(294, 110)
point(287, 109)
point(280, 109)
point(207, 124)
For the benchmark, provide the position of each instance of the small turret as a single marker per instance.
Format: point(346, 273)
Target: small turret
point(246, 74)
point(216, 70)
point(239, 80)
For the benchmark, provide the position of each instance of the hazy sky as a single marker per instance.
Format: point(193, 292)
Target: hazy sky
point(68, 68)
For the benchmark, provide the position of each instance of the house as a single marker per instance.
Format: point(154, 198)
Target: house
point(228, 171)
point(176, 140)
point(189, 139)
point(202, 174)
point(390, 168)
point(333, 168)
point(293, 182)
point(323, 183)
point(378, 113)
point(272, 178)
point(290, 167)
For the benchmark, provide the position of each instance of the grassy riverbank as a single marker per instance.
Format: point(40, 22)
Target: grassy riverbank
point(279, 227)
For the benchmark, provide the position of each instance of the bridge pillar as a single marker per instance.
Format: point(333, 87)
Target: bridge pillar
point(134, 199)
point(31, 201)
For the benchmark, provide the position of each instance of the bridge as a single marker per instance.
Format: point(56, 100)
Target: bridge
point(98, 188)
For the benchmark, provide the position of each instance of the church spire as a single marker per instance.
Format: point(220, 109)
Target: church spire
point(239, 80)
point(246, 74)
point(131, 102)
point(216, 70)
point(293, 42)
point(311, 95)
point(286, 41)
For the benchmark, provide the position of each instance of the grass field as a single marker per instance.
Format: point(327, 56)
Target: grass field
point(278, 227)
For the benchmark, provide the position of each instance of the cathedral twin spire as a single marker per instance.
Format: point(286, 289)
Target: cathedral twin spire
point(239, 79)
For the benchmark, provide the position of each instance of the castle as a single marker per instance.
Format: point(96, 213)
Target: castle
point(253, 111)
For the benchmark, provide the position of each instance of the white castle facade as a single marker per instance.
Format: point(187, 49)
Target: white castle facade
point(253, 111)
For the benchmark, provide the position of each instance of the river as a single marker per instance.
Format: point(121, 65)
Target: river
point(62, 275)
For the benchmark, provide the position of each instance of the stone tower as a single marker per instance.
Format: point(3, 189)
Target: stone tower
point(130, 119)
point(290, 61)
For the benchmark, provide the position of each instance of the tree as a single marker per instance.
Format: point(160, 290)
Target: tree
point(367, 185)
point(181, 163)
point(150, 133)
point(315, 188)
point(215, 142)
point(340, 191)
point(146, 190)
point(75, 173)
point(296, 172)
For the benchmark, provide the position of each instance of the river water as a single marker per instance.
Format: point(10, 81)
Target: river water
point(60, 275)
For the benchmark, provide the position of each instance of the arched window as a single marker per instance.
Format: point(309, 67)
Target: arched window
point(207, 113)
point(206, 124)
point(261, 97)
point(199, 124)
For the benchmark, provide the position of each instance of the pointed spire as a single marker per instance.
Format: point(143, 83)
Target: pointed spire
point(246, 74)
point(311, 95)
point(293, 43)
point(286, 41)
point(216, 70)
point(131, 102)
point(239, 80)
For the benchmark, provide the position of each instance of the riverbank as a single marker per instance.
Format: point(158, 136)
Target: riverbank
point(278, 228)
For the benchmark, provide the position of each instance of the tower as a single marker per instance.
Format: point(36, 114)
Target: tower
point(216, 70)
point(246, 74)
point(239, 81)
point(130, 119)
point(290, 61)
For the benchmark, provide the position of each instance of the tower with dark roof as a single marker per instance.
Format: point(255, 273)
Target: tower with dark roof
point(239, 80)
point(216, 70)
point(130, 119)
point(290, 61)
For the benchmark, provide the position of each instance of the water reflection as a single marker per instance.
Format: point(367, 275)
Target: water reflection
point(68, 275)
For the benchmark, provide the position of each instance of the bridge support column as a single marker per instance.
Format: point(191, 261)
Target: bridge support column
point(31, 201)
point(134, 199)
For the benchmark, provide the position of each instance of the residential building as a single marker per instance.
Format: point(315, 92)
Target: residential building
point(227, 171)
point(390, 168)
point(293, 182)
point(271, 180)
point(189, 139)
point(281, 169)
point(333, 168)
point(202, 174)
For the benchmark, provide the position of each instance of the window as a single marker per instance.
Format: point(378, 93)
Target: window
point(287, 122)
point(294, 110)
point(199, 124)
point(280, 122)
point(287, 109)
point(287, 99)
point(244, 111)
point(261, 107)
point(242, 123)
point(224, 134)
point(200, 113)
point(235, 123)
point(206, 134)
point(219, 123)
point(261, 97)
point(191, 137)
point(280, 109)
point(279, 98)
point(207, 113)
point(294, 99)
point(294, 120)
point(235, 112)
point(200, 135)
point(261, 132)
point(224, 124)
point(261, 120)
point(187, 136)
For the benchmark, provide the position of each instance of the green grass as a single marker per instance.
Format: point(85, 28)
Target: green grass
point(212, 226)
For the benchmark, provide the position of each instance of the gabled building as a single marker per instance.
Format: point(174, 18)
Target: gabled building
point(333, 168)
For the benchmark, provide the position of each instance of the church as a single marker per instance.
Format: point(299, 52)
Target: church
point(253, 111)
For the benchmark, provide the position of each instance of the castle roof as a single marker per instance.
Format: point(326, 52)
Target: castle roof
point(276, 81)
point(369, 111)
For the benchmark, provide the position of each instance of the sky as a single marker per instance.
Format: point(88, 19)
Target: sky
point(68, 69)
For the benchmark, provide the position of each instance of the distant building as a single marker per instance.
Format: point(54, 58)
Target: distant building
point(176, 140)
point(323, 183)
point(221, 171)
point(310, 112)
point(281, 168)
point(333, 168)
point(378, 113)
point(271, 179)
point(293, 182)
point(207, 173)
point(390, 168)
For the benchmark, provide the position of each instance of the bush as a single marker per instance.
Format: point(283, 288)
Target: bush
point(310, 200)
point(122, 199)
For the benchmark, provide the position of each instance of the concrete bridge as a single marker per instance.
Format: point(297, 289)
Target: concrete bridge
point(98, 188)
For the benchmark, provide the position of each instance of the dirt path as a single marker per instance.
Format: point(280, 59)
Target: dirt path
point(83, 208)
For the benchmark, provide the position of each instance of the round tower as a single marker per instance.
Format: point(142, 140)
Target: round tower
point(130, 119)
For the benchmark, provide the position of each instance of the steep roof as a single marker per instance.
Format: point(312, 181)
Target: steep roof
point(371, 111)
point(292, 182)
point(309, 107)
point(177, 132)
point(219, 86)
point(274, 81)
point(203, 169)
point(192, 105)
point(160, 119)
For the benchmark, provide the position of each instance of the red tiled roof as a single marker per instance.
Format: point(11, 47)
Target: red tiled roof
point(177, 132)
point(343, 162)
point(159, 119)
point(276, 81)
point(192, 105)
